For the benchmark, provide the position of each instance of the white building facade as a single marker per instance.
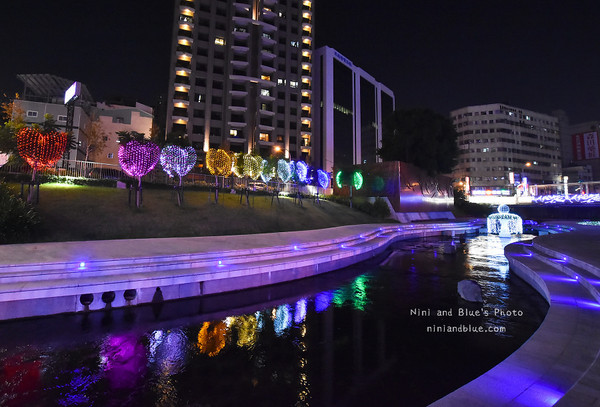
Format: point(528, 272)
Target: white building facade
point(351, 106)
point(502, 147)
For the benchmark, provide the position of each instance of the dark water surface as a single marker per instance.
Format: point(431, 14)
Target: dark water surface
point(359, 336)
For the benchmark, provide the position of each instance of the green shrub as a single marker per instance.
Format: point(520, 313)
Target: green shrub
point(18, 219)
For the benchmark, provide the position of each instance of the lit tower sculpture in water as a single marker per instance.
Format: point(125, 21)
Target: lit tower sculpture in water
point(504, 223)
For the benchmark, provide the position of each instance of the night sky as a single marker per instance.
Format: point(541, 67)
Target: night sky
point(538, 55)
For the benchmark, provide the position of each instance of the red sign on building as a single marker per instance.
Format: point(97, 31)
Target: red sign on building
point(585, 146)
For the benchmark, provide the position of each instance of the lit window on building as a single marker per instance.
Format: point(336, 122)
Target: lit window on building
point(264, 137)
point(233, 133)
point(220, 41)
point(294, 84)
point(265, 92)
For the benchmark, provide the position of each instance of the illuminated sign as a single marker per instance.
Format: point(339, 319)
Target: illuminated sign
point(73, 92)
point(585, 146)
point(343, 59)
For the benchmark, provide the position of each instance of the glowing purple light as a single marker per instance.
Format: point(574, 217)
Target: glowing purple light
point(323, 178)
point(82, 265)
point(300, 311)
point(323, 300)
point(571, 199)
point(138, 159)
point(178, 160)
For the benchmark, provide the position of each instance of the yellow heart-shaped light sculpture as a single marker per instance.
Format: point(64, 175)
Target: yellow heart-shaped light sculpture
point(218, 162)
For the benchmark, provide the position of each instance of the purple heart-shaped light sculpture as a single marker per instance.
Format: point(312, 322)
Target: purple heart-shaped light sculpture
point(138, 159)
point(178, 160)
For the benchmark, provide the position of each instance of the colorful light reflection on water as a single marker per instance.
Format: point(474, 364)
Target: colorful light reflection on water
point(345, 337)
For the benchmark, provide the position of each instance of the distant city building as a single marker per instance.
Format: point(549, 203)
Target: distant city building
point(580, 149)
point(351, 106)
point(501, 145)
point(44, 94)
point(241, 75)
point(115, 118)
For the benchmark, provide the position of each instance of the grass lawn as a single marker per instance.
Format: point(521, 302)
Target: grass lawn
point(90, 213)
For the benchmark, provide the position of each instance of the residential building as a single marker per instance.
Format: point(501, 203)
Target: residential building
point(351, 106)
point(580, 148)
point(501, 145)
point(44, 94)
point(241, 75)
point(115, 118)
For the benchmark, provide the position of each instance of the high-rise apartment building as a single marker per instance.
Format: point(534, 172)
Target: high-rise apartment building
point(351, 106)
point(500, 145)
point(241, 75)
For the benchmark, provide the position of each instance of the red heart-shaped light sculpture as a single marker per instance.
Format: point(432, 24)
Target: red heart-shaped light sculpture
point(138, 159)
point(41, 149)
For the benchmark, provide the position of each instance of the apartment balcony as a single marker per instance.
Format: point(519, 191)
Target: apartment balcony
point(269, 55)
point(184, 36)
point(266, 97)
point(185, 87)
point(268, 14)
point(241, 35)
point(306, 27)
point(180, 119)
point(240, 49)
point(265, 127)
point(268, 42)
point(238, 109)
point(181, 103)
point(243, 21)
point(185, 72)
point(266, 69)
point(306, 13)
point(306, 79)
point(186, 26)
point(306, 105)
point(237, 124)
point(181, 80)
point(267, 113)
point(269, 2)
point(239, 64)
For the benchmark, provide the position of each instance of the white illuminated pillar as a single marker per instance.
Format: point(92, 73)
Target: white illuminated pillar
point(566, 187)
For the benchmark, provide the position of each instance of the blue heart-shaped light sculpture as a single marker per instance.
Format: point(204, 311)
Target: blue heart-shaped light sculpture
point(323, 179)
point(178, 160)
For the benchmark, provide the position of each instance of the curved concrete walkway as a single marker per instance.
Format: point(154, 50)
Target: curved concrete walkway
point(52, 278)
point(559, 365)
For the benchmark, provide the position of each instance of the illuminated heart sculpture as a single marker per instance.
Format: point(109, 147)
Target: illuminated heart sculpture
point(180, 161)
point(301, 171)
point(284, 170)
point(218, 162)
point(138, 159)
point(237, 169)
point(41, 149)
point(252, 166)
point(267, 172)
point(323, 179)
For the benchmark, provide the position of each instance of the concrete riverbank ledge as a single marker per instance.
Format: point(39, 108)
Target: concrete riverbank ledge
point(559, 365)
point(53, 278)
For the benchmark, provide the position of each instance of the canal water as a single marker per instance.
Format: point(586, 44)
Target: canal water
point(397, 334)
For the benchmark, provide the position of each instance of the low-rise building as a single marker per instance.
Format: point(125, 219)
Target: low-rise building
point(504, 146)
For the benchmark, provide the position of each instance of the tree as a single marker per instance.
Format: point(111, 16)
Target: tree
point(421, 137)
point(13, 120)
point(95, 137)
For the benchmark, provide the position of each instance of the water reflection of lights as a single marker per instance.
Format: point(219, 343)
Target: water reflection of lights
point(124, 360)
point(247, 329)
point(323, 300)
point(212, 337)
point(283, 319)
point(300, 311)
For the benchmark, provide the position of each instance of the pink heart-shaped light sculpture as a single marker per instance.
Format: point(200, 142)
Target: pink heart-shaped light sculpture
point(138, 159)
